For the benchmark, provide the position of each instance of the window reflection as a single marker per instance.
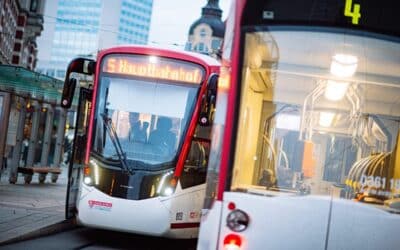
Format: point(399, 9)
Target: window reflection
point(309, 125)
point(195, 169)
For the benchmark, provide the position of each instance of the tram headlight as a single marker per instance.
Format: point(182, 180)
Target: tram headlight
point(167, 184)
point(87, 180)
point(168, 191)
point(91, 173)
point(87, 175)
point(237, 220)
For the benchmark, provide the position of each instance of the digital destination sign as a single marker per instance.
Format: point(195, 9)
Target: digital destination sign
point(153, 67)
point(366, 15)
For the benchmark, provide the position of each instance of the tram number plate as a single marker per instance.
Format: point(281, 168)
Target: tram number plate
point(378, 182)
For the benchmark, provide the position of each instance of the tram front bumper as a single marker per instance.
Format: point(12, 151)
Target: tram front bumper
point(99, 210)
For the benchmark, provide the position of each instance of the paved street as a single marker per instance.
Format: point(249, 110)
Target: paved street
point(32, 217)
point(27, 208)
point(91, 239)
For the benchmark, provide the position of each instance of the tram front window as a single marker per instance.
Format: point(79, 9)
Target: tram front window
point(149, 120)
point(319, 115)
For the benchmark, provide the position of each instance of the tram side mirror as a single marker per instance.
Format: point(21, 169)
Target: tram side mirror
point(209, 100)
point(78, 65)
point(68, 93)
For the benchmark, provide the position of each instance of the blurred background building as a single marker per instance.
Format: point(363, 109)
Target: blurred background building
point(206, 34)
point(21, 22)
point(82, 27)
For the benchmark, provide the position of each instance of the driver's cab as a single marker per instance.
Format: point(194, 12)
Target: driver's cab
point(145, 136)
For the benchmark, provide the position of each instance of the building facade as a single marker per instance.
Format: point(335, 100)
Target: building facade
point(21, 22)
point(82, 27)
point(206, 34)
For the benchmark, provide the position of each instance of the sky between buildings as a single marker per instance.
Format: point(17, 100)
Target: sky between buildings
point(171, 19)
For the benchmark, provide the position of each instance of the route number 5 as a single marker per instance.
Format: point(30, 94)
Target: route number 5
point(355, 14)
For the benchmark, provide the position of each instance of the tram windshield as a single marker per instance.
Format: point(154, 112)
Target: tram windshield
point(319, 114)
point(141, 121)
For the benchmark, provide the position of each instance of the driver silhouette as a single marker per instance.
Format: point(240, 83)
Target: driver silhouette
point(162, 136)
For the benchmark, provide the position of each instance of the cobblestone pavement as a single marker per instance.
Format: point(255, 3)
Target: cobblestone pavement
point(28, 208)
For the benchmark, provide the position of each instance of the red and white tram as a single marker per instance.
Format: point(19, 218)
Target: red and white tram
point(306, 149)
point(142, 140)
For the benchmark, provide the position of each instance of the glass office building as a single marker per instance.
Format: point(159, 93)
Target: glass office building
point(134, 21)
point(82, 27)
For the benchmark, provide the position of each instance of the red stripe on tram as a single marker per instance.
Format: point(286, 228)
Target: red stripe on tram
point(184, 225)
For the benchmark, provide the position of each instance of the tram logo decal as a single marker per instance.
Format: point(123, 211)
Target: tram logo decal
point(100, 205)
point(194, 215)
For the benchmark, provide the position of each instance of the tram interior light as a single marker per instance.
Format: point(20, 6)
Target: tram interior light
point(335, 90)
point(343, 65)
point(326, 118)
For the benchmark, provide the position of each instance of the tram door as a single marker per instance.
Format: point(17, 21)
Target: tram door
point(78, 151)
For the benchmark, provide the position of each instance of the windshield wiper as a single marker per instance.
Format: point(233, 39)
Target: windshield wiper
point(115, 140)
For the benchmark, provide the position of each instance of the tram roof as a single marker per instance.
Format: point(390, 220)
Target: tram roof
point(26, 83)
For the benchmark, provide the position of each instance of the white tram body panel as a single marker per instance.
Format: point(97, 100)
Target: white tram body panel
point(285, 222)
point(360, 226)
point(176, 216)
point(210, 223)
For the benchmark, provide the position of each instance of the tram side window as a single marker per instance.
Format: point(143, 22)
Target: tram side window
point(195, 170)
point(298, 134)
